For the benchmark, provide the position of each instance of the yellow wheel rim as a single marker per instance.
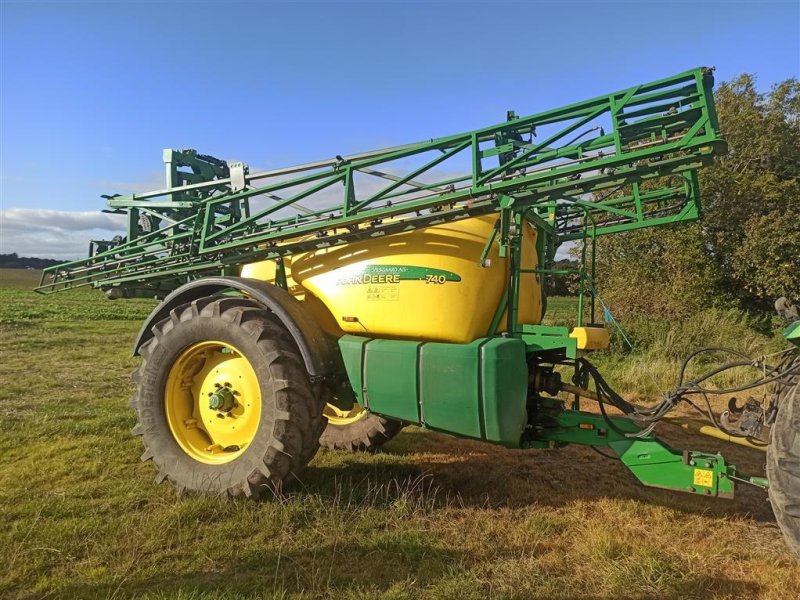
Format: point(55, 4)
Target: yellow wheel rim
point(213, 402)
point(337, 416)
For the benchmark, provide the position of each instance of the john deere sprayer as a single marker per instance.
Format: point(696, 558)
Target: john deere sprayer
point(335, 302)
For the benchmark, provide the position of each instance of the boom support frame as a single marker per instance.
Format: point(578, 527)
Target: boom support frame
point(584, 162)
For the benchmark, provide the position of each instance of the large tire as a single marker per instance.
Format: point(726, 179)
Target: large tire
point(365, 432)
point(783, 460)
point(277, 412)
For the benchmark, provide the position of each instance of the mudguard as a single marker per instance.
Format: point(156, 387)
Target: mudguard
point(320, 354)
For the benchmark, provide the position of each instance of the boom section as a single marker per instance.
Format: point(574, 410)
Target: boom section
point(570, 165)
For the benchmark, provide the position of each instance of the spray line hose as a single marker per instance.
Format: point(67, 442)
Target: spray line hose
point(649, 417)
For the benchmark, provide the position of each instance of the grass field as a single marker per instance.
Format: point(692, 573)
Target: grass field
point(429, 517)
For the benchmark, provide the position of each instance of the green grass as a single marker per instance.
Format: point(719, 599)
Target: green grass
point(430, 517)
point(659, 346)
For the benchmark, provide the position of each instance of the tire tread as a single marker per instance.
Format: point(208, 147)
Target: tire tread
point(298, 423)
point(783, 462)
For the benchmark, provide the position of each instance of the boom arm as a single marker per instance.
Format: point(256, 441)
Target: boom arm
point(583, 162)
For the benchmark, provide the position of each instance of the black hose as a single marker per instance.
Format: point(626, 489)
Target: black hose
point(651, 415)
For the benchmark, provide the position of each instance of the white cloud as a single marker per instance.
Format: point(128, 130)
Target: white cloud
point(40, 218)
point(55, 233)
point(66, 234)
point(564, 250)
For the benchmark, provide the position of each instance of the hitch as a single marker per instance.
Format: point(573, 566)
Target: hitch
point(747, 420)
point(652, 461)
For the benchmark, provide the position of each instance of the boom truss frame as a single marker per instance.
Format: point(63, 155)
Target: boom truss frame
point(618, 162)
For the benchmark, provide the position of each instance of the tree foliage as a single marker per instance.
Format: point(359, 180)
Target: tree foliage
point(563, 285)
point(744, 250)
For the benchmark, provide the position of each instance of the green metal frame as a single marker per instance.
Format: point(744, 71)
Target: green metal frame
point(650, 460)
point(559, 167)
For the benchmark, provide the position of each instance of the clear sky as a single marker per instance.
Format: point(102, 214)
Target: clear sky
point(90, 92)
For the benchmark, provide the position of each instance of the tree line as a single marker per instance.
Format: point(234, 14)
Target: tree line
point(743, 252)
point(12, 261)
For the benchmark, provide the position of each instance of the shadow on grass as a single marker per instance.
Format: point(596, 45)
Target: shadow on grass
point(242, 585)
point(328, 570)
point(477, 474)
point(409, 568)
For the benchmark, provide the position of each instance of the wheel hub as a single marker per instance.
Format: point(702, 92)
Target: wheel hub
point(213, 402)
point(223, 400)
point(343, 417)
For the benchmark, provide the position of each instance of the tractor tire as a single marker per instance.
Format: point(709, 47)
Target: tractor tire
point(783, 460)
point(364, 432)
point(224, 402)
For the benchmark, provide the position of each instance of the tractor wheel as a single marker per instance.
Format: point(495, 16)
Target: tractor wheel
point(223, 400)
point(783, 461)
point(356, 429)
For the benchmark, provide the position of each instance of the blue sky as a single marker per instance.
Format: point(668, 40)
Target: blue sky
point(90, 92)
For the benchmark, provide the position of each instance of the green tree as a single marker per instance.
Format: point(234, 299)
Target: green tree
point(745, 250)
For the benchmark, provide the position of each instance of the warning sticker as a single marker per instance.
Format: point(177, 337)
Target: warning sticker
point(383, 292)
point(704, 477)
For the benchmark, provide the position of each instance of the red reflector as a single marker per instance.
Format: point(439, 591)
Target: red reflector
point(350, 319)
point(586, 426)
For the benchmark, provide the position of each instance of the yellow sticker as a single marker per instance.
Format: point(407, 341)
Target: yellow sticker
point(704, 477)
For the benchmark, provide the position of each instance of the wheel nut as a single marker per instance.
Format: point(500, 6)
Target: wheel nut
point(222, 400)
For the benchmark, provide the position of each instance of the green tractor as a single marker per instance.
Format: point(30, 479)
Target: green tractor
point(335, 302)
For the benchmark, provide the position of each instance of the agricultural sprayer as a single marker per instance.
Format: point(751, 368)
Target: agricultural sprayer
point(335, 302)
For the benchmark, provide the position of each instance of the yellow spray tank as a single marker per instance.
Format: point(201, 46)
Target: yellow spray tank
point(426, 284)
